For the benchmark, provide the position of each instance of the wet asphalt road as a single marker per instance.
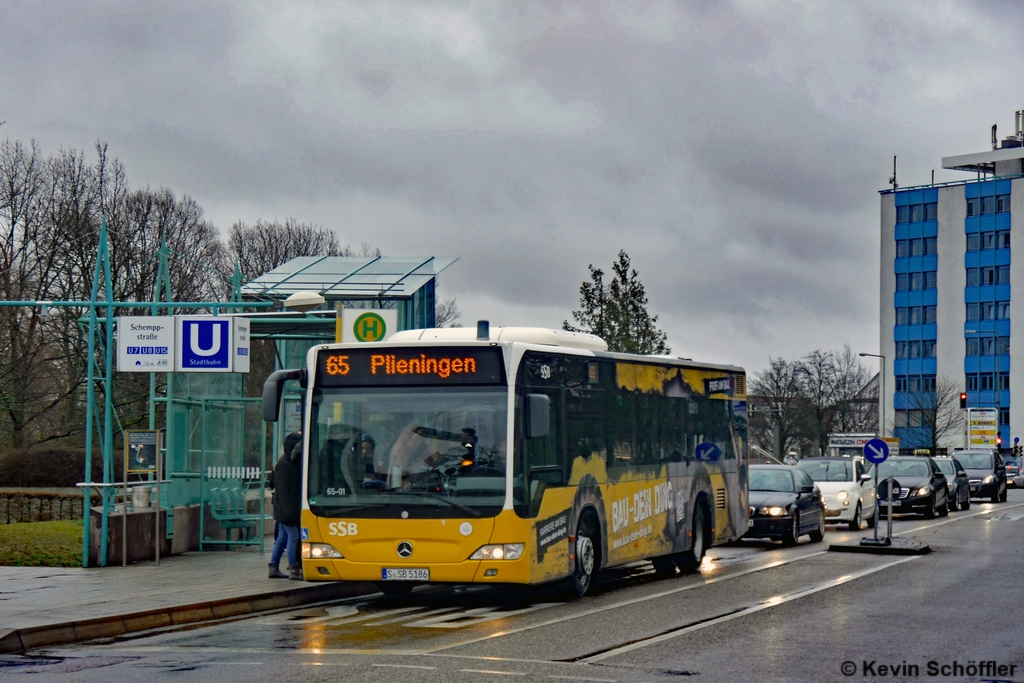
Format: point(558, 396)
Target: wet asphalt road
point(757, 612)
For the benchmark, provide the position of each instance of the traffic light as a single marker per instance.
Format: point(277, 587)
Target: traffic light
point(999, 441)
point(963, 400)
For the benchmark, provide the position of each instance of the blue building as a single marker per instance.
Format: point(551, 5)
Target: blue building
point(947, 316)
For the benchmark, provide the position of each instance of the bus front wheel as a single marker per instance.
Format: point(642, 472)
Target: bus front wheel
point(689, 561)
point(586, 559)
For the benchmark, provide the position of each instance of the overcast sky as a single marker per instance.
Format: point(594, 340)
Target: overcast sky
point(733, 149)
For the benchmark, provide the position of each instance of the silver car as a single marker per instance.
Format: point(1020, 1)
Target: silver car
point(848, 491)
point(957, 480)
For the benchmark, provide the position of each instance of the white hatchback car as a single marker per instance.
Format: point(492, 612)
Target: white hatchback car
point(846, 487)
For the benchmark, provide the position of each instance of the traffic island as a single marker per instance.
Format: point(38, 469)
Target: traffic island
point(897, 545)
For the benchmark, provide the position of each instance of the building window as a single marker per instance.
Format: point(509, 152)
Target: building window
point(987, 345)
point(1002, 310)
point(985, 381)
point(901, 384)
point(988, 240)
point(930, 314)
point(917, 247)
point(1003, 346)
point(972, 207)
point(1003, 239)
point(1003, 275)
point(931, 280)
point(915, 315)
point(1003, 203)
point(988, 276)
point(972, 382)
point(901, 316)
point(988, 311)
point(916, 213)
point(931, 211)
point(972, 347)
point(928, 349)
point(902, 282)
point(973, 242)
point(973, 312)
point(916, 281)
point(1004, 381)
point(901, 349)
point(901, 214)
point(931, 245)
point(914, 385)
point(972, 277)
point(902, 248)
point(914, 350)
point(988, 205)
point(1004, 416)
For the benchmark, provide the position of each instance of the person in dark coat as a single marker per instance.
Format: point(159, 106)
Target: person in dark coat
point(287, 483)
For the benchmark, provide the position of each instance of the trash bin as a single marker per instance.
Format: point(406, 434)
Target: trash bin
point(140, 497)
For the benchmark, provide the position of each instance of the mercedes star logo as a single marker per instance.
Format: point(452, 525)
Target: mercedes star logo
point(404, 549)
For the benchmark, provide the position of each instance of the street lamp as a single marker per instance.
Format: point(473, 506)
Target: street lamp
point(881, 415)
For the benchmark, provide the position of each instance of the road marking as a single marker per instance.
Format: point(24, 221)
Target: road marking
point(498, 673)
point(1006, 518)
point(324, 664)
point(406, 666)
point(404, 617)
point(770, 602)
point(626, 603)
point(958, 518)
point(479, 615)
point(581, 678)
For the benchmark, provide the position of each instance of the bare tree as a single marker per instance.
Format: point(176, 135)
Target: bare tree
point(263, 246)
point(856, 405)
point(936, 414)
point(775, 406)
point(447, 314)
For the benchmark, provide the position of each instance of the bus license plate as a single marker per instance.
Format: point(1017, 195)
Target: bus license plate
point(404, 574)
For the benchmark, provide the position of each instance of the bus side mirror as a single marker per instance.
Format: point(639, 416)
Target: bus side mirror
point(538, 416)
point(273, 388)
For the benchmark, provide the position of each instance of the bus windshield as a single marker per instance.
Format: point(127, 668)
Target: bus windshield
point(426, 451)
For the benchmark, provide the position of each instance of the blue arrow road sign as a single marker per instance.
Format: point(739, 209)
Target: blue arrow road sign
point(876, 451)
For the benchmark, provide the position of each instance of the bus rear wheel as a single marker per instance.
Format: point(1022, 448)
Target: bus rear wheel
point(586, 557)
point(689, 561)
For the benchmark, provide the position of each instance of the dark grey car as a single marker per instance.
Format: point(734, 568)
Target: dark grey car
point(986, 472)
point(958, 482)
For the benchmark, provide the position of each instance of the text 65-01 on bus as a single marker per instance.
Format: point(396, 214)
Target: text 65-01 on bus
point(526, 457)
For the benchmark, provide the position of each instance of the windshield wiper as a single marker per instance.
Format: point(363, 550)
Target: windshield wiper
point(461, 508)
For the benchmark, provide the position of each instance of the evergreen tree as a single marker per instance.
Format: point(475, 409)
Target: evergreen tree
point(617, 311)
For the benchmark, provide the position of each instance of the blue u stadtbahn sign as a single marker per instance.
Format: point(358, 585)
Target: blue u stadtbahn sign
point(205, 344)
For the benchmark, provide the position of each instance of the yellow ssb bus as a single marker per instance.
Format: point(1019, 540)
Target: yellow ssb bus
point(526, 456)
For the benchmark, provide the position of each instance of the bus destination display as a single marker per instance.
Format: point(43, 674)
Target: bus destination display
point(450, 365)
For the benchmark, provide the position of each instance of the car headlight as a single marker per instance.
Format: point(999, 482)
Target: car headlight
point(505, 551)
point(923, 491)
point(842, 495)
point(320, 551)
point(773, 511)
point(990, 479)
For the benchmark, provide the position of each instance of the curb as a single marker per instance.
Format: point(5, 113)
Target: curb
point(14, 641)
point(899, 546)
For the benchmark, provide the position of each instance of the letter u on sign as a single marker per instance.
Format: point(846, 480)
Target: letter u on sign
point(215, 343)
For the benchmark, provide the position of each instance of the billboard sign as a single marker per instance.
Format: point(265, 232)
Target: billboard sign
point(145, 343)
point(982, 428)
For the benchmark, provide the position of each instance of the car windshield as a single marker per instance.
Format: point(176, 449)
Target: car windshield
point(975, 461)
point(904, 468)
point(771, 480)
point(828, 470)
point(424, 450)
point(946, 466)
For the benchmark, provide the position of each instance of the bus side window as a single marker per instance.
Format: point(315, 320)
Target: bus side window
point(544, 462)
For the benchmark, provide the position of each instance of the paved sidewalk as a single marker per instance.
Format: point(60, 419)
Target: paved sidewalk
point(42, 606)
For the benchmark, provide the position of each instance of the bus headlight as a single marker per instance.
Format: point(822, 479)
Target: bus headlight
point(505, 551)
point(320, 551)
